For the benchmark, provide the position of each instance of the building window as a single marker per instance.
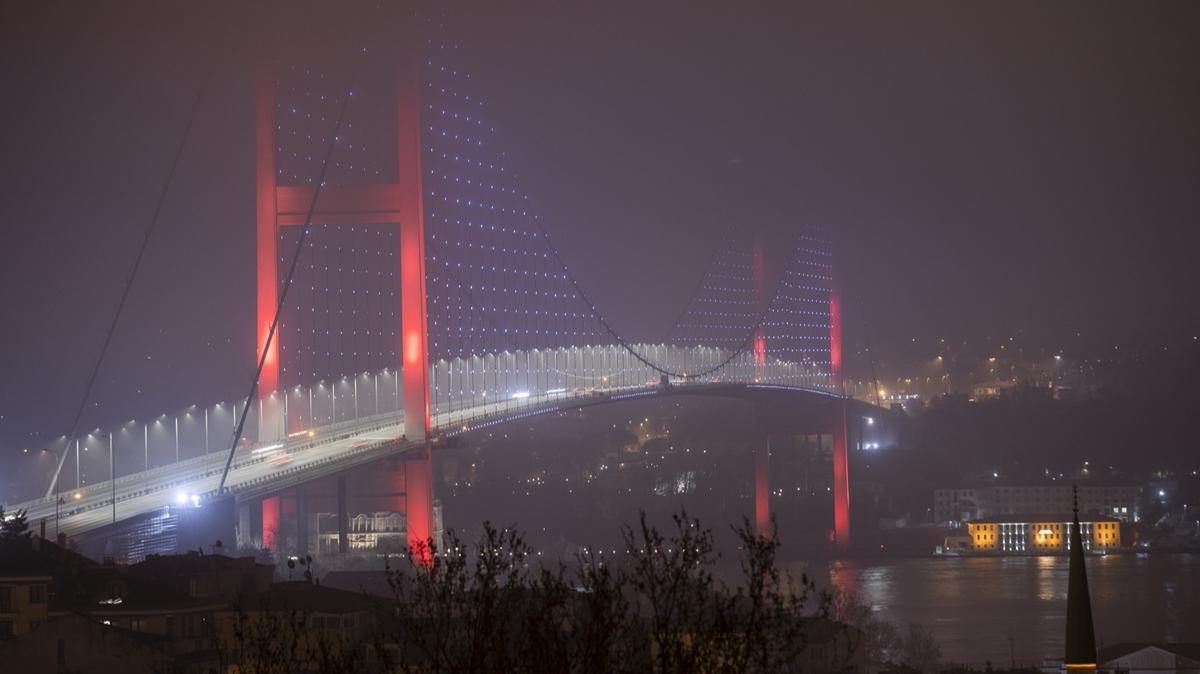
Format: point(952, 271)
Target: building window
point(6, 629)
point(37, 594)
point(6, 599)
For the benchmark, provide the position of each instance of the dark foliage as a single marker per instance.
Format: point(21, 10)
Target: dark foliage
point(492, 607)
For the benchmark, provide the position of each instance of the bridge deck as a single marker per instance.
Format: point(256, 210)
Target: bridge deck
point(260, 471)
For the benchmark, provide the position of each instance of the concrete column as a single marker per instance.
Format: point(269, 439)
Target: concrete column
point(762, 487)
point(267, 224)
point(343, 514)
point(418, 500)
point(244, 536)
point(271, 509)
point(841, 479)
point(414, 333)
point(841, 458)
point(301, 523)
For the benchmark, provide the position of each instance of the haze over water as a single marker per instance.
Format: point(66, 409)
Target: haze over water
point(537, 478)
point(972, 604)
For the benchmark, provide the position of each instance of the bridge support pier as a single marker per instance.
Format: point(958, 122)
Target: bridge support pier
point(762, 487)
point(301, 522)
point(841, 480)
point(245, 529)
point(841, 458)
point(271, 508)
point(343, 515)
point(418, 501)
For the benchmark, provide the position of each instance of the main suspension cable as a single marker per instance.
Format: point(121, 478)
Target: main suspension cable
point(742, 348)
point(287, 284)
point(133, 273)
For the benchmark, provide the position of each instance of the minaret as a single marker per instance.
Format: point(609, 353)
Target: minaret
point(1081, 635)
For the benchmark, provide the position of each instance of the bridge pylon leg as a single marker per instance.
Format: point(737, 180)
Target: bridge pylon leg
point(841, 457)
point(418, 502)
point(763, 300)
point(270, 523)
point(302, 547)
point(762, 487)
point(841, 480)
point(244, 535)
point(267, 229)
point(414, 346)
point(343, 515)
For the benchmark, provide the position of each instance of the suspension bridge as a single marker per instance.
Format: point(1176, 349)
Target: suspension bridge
point(409, 296)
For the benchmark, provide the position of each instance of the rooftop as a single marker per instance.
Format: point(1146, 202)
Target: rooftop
point(35, 556)
point(301, 595)
point(1190, 650)
point(1082, 483)
point(1038, 518)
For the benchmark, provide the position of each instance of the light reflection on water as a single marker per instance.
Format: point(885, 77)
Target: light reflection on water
point(1051, 579)
point(973, 604)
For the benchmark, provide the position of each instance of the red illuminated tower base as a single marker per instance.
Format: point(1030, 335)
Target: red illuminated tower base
point(841, 459)
point(397, 203)
point(762, 449)
point(762, 487)
point(762, 302)
point(270, 523)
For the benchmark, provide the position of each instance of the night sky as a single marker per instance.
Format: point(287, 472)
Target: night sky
point(988, 170)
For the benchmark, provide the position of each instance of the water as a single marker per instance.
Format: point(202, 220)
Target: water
point(569, 481)
point(973, 604)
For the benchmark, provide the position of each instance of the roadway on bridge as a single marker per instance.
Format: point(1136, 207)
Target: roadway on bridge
point(265, 468)
point(91, 507)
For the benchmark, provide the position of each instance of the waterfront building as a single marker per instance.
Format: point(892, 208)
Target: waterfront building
point(381, 532)
point(992, 390)
point(955, 505)
point(1041, 533)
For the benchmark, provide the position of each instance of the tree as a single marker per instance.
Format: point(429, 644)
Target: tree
point(772, 612)
point(919, 650)
point(879, 639)
point(492, 607)
point(675, 591)
point(465, 611)
point(13, 528)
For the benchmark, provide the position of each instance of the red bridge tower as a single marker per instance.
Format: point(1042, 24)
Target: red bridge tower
point(395, 203)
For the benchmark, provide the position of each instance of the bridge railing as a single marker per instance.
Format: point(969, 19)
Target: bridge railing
point(464, 390)
point(477, 380)
point(138, 448)
point(200, 481)
point(199, 471)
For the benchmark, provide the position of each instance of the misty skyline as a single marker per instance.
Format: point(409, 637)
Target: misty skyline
point(987, 171)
